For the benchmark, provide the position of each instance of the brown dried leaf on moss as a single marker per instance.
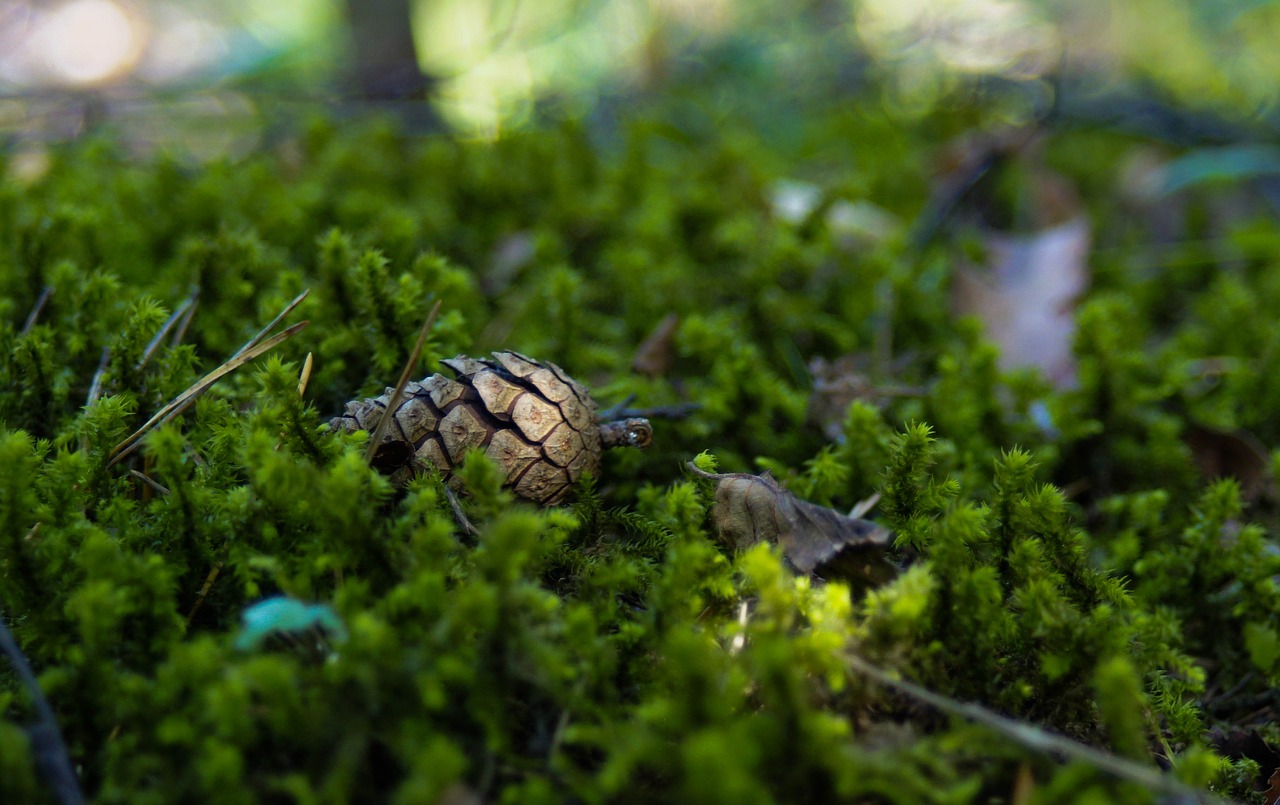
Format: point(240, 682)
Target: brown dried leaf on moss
point(1237, 454)
point(750, 509)
point(654, 356)
point(1026, 298)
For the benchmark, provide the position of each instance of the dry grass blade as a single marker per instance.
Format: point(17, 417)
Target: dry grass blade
point(189, 396)
point(305, 377)
point(1036, 738)
point(394, 401)
point(272, 324)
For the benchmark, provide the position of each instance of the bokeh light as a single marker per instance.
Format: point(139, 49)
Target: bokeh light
point(994, 37)
point(88, 41)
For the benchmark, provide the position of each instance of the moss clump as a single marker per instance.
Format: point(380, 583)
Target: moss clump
point(611, 650)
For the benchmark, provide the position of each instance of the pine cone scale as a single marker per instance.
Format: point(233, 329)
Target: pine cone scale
point(535, 417)
point(500, 395)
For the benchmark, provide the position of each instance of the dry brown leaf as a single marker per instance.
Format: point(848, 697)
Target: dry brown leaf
point(750, 509)
point(1027, 297)
point(1237, 743)
point(1221, 453)
point(653, 357)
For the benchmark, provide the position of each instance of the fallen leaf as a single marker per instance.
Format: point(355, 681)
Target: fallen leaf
point(1237, 454)
point(653, 357)
point(1027, 297)
point(750, 509)
point(1237, 744)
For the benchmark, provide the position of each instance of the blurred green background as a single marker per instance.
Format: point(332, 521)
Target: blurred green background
point(483, 67)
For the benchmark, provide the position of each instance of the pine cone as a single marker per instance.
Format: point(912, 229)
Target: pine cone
point(534, 421)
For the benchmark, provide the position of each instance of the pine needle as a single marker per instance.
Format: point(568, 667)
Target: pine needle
point(95, 385)
point(272, 325)
point(376, 439)
point(165, 328)
point(186, 398)
point(34, 315)
point(1036, 738)
point(305, 377)
point(151, 482)
point(180, 332)
point(52, 758)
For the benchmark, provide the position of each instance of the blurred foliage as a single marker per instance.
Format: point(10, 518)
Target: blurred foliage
point(499, 65)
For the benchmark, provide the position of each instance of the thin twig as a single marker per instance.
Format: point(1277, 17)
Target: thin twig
point(204, 591)
point(186, 398)
point(34, 315)
point(677, 411)
point(394, 401)
point(611, 413)
point(51, 754)
point(1034, 737)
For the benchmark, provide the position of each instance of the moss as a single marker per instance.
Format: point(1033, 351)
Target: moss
point(612, 650)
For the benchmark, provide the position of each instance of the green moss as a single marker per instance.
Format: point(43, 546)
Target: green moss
point(613, 649)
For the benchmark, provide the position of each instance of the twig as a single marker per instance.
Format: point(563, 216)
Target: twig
point(51, 754)
point(204, 591)
point(34, 315)
point(186, 398)
point(376, 438)
point(1035, 738)
point(677, 411)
